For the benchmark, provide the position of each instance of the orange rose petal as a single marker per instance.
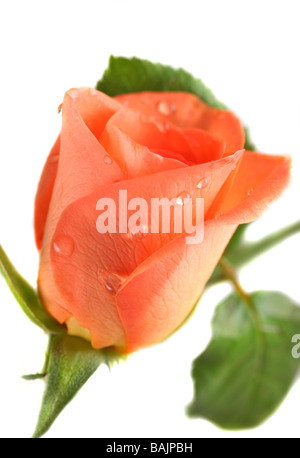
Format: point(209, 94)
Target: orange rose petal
point(83, 163)
point(172, 155)
point(187, 110)
point(173, 280)
point(189, 145)
point(83, 166)
point(134, 159)
point(258, 179)
point(94, 108)
point(44, 193)
point(100, 263)
point(154, 133)
point(205, 147)
point(225, 126)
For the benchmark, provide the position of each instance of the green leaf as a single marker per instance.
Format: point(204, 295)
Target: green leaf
point(70, 363)
point(135, 75)
point(249, 145)
point(248, 367)
point(27, 296)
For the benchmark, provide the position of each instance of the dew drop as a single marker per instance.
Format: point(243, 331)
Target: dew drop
point(63, 245)
point(166, 108)
point(250, 191)
point(107, 160)
point(140, 232)
point(202, 183)
point(180, 198)
point(112, 284)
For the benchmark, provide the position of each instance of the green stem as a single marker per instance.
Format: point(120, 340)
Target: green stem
point(246, 252)
point(251, 250)
point(230, 274)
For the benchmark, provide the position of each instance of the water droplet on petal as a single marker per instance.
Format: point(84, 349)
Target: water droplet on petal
point(202, 183)
point(63, 245)
point(139, 232)
point(250, 191)
point(107, 160)
point(218, 214)
point(180, 198)
point(166, 108)
point(113, 284)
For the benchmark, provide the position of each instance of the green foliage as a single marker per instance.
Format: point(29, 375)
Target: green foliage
point(248, 367)
point(26, 296)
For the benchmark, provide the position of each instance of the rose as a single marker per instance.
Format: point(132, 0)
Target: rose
point(118, 289)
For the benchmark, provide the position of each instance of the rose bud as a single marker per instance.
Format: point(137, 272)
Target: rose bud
point(132, 289)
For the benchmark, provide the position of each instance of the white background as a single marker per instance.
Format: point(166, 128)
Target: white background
point(248, 53)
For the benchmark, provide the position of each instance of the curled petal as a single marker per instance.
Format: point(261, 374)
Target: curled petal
point(134, 159)
point(258, 180)
point(90, 107)
point(187, 110)
point(44, 193)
